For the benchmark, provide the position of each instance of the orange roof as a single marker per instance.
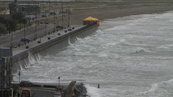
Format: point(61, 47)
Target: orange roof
point(91, 19)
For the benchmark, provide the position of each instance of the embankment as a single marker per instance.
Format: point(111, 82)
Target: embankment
point(80, 32)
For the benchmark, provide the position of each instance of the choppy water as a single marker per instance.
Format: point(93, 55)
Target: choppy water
point(129, 56)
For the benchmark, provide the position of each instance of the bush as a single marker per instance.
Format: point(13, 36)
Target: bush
point(2, 20)
point(19, 17)
point(2, 29)
point(9, 24)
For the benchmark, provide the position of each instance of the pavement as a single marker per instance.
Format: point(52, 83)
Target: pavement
point(42, 92)
point(35, 33)
point(44, 39)
point(31, 32)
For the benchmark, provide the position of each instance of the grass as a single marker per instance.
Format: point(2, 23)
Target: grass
point(20, 26)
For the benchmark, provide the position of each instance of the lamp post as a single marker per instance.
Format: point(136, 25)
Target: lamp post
point(69, 18)
point(59, 81)
point(62, 12)
point(19, 76)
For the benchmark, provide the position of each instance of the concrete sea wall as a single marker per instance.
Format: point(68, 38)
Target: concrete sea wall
point(81, 32)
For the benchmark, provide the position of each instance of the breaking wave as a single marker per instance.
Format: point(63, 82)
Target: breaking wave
point(160, 89)
point(93, 91)
point(129, 57)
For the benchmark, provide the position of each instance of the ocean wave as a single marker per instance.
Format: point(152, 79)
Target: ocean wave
point(93, 91)
point(160, 89)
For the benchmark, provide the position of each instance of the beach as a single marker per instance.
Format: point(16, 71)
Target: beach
point(103, 10)
point(114, 12)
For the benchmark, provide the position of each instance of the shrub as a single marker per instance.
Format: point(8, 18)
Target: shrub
point(19, 17)
point(2, 29)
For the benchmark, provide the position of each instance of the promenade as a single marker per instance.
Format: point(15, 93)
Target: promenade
point(43, 40)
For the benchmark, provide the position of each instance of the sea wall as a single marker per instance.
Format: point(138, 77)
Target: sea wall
point(81, 32)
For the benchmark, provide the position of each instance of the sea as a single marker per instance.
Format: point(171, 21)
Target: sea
point(128, 56)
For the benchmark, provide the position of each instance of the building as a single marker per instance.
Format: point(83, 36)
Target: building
point(27, 9)
point(5, 72)
point(5, 68)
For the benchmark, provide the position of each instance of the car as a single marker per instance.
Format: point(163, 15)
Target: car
point(59, 27)
point(57, 94)
point(25, 84)
point(24, 39)
point(52, 13)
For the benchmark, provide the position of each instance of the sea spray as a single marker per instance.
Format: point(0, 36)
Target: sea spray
point(92, 91)
point(26, 63)
point(32, 59)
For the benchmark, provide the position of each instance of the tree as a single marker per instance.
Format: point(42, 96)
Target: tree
point(2, 20)
point(11, 24)
point(19, 17)
point(2, 29)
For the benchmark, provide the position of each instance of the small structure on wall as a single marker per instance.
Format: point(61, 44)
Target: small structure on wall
point(91, 20)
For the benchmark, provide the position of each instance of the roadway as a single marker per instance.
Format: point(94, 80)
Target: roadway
point(44, 39)
point(33, 32)
point(37, 30)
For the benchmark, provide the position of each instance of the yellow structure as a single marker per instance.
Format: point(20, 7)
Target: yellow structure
point(91, 20)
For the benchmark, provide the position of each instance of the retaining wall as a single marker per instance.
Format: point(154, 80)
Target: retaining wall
point(40, 47)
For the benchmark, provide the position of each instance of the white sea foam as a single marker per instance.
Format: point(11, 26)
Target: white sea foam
point(160, 89)
point(93, 91)
point(141, 50)
point(108, 58)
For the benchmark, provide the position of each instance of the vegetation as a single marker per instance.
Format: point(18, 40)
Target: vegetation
point(2, 29)
point(12, 24)
point(20, 26)
point(7, 25)
point(19, 18)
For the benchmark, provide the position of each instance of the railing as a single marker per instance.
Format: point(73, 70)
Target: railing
point(6, 92)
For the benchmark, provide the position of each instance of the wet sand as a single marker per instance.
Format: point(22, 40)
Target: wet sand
point(114, 12)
